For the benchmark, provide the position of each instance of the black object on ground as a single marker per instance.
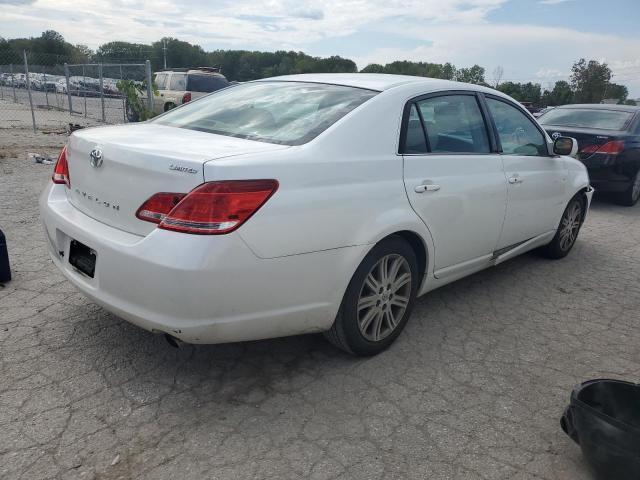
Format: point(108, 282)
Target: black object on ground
point(603, 417)
point(73, 127)
point(5, 269)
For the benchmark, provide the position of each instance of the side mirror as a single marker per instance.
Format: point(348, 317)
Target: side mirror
point(565, 146)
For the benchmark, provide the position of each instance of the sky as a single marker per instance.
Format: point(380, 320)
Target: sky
point(532, 40)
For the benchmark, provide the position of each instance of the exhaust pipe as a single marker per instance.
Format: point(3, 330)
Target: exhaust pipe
point(173, 341)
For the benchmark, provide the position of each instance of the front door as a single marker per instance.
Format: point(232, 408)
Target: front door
point(536, 180)
point(453, 179)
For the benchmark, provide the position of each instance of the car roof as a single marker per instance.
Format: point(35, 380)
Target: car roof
point(379, 81)
point(191, 71)
point(602, 106)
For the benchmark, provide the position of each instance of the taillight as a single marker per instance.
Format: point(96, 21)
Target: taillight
point(158, 206)
point(614, 147)
point(213, 208)
point(61, 170)
point(186, 97)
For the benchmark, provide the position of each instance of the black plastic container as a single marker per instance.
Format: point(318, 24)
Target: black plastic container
point(604, 419)
point(5, 270)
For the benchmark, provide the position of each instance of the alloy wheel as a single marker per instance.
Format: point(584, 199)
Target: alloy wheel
point(384, 297)
point(570, 226)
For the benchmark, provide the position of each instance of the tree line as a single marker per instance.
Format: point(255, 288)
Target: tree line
point(590, 81)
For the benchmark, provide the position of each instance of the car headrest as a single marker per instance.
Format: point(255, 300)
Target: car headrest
point(445, 110)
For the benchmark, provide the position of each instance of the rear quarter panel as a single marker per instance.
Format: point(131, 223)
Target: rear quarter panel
point(342, 189)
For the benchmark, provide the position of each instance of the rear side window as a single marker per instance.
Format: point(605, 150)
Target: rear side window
point(454, 124)
point(205, 83)
point(518, 135)
point(178, 82)
point(415, 141)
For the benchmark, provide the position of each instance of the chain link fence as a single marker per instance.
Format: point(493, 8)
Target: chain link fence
point(49, 92)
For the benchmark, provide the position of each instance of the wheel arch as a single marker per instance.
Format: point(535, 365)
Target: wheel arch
point(418, 244)
point(583, 194)
point(419, 247)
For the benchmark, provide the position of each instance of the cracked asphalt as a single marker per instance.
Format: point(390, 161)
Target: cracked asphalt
point(473, 388)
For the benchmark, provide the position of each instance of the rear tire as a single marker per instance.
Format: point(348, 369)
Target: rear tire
point(567, 233)
point(631, 195)
point(169, 106)
point(379, 299)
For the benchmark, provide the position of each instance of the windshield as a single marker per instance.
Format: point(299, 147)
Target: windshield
point(289, 113)
point(586, 118)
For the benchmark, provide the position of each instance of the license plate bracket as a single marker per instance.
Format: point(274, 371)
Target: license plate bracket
point(82, 258)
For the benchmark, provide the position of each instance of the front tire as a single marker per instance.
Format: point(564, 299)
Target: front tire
point(567, 233)
point(631, 195)
point(379, 299)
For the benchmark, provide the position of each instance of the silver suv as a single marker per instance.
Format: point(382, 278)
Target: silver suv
point(181, 85)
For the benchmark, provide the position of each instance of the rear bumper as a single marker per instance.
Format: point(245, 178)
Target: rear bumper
point(198, 288)
point(610, 175)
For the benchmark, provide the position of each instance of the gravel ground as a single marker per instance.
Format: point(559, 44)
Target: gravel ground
point(51, 110)
point(473, 389)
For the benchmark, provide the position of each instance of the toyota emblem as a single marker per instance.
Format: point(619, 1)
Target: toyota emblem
point(95, 158)
point(556, 135)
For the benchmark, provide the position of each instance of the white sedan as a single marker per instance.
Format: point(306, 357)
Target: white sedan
point(307, 203)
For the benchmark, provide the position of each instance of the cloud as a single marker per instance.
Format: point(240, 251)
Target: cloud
point(457, 31)
point(17, 2)
point(553, 2)
point(310, 13)
point(526, 52)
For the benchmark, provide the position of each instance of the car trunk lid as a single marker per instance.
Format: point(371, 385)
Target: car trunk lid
point(589, 139)
point(138, 161)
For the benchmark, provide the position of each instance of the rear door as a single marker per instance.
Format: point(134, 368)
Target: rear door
point(536, 180)
point(176, 88)
point(454, 178)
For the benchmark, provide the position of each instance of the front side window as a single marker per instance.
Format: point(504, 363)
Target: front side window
point(518, 135)
point(178, 82)
point(288, 113)
point(454, 124)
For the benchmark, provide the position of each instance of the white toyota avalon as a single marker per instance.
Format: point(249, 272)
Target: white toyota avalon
point(307, 203)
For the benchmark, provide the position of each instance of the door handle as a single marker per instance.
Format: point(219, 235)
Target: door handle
point(426, 187)
point(515, 179)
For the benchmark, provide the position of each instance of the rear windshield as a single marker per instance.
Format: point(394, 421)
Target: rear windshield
point(205, 83)
point(288, 113)
point(587, 118)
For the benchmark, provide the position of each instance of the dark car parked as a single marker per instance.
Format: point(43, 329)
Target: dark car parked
point(608, 144)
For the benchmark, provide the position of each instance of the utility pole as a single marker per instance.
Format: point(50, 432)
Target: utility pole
point(164, 49)
point(606, 85)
